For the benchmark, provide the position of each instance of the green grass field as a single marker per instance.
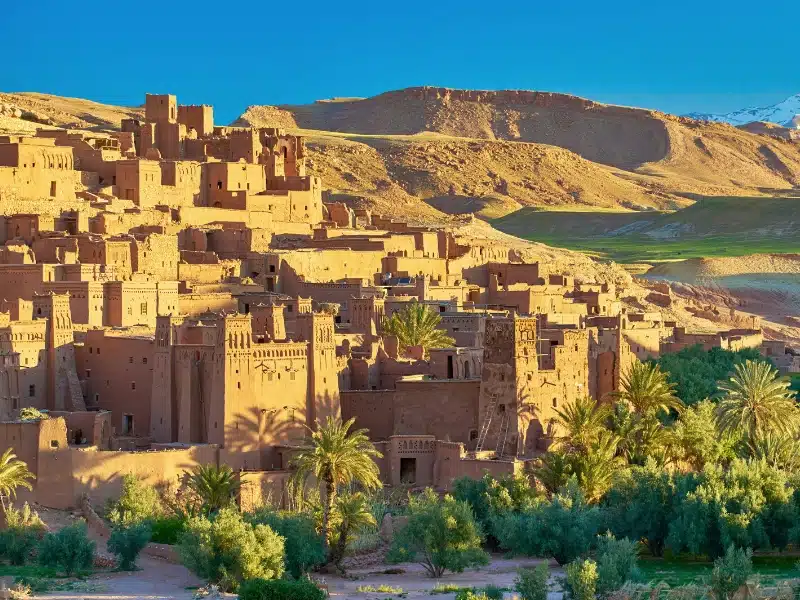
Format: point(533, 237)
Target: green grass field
point(769, 569)
point(644, 249)
point(712, 227)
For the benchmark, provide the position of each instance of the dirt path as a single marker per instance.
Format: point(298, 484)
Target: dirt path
point(156, 580)
point(416, 584)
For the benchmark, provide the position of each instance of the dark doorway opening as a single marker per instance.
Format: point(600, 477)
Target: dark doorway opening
point(127, 424)
point(450, 367)
point(408, 470)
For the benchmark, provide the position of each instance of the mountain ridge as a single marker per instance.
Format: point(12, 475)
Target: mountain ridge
point(785, 113)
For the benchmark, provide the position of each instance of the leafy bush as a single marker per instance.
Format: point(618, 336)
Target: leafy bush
point(280, 589)
point(226, 550)
point(441, 534)
point(581, 580)
point(639, 505)
point(303, 545)
point(532, 583)
point(69, 549)
point(138, 502)
point(127, 541)
point(695, 371)
point(167, 530)
point(492, 592)
point(491, 496)
point(616, 564)
point(24, 530)
point(564, 528)
point(749, 505)
point(731, 572)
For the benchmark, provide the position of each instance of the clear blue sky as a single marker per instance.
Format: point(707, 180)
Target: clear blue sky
point(677, 56)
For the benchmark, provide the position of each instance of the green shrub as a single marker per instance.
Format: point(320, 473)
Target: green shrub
point(492, 592)
point(491, 496)
point(565, 528)
point(441, 534)
point(280, 589)
point(303, 545)
point(166, 530)
point(640, 505)
point(616, 564)
point(731, 572)
point(138, 502)
point(532, 583)
point(581, 580)
point(225, 550)
point(24, 530)
point(69, 549)
point(127, 541)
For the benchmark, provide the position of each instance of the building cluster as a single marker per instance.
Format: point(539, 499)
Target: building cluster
point(178, 293)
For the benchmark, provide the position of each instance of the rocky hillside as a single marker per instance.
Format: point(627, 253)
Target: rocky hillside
point(69, 113)
point(494, 152)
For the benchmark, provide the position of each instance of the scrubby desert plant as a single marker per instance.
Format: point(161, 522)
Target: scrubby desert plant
point(127, 541)
point(581, 580)
point(70, 550)
point(531, 584)
point(227, 550)
point(303, 545)
point(137, 502)
point(441, 534)
point(731, 572)
point(24, 529)
point(616, 564)
point(280, 589)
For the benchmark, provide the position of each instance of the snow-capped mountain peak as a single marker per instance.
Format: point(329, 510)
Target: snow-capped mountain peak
point(783, 113)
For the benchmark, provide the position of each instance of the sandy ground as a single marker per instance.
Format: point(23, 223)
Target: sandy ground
point(416, 584)
point(160, 580)
point(156, 580)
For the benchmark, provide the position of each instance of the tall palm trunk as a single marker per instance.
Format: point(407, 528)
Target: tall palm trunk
point(327, 507)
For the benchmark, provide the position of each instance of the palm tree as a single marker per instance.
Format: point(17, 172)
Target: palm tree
point(645, 387)
point(757, 402)
point(14, 474)
point(214, 486)
point(595, 468)
point(580, 423)
point(351, 513)
point(777, 450)
point(554, 471)
point(337, 457)
point(417, 325)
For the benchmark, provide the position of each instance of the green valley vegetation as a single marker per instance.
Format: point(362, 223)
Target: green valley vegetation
point(712, 227)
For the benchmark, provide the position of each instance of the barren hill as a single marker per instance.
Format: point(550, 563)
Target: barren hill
point(70, 113)
point(493, 152)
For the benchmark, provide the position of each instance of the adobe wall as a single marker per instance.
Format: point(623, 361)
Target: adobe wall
point(372, 410)
point(451, 463)
point(118, 376)
point(262, 488)
point(204, 215)
point(197, 304)
point(99, 473)
point(447, 410)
